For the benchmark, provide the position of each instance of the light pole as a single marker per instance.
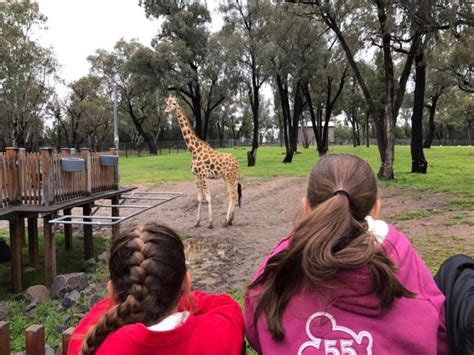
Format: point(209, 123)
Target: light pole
point(116, 131)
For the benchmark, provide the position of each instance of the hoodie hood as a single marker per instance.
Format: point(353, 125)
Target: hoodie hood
point(358, 296)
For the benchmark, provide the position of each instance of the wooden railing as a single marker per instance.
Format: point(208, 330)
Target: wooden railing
point(40, 178)
point(34, 340)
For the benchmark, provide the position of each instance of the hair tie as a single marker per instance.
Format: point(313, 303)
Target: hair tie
point(343, 192)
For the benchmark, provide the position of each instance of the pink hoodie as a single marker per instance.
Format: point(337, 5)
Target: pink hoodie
point(353, 323)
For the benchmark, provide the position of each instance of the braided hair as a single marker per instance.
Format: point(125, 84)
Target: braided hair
point(147, 270)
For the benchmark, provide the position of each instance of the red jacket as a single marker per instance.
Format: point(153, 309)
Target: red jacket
point(215, 326)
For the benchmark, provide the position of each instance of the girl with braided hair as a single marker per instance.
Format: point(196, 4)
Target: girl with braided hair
point(343, 282)
point(150, 308)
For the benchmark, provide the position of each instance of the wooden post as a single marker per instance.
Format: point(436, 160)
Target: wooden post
point(86, 154)
point(35, 344)
point(22, 232)
point(21, 176)
point(13, 180)
point(68, 230)
point(33, 249)
point(88, 239)
point(65, 340)
point(49, 252)
point(15, 249)
point(4, 338)
point(47, 175)
point(115, 213)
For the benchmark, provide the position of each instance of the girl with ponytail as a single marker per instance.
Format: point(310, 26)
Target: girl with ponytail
point(344, 282)
point(151, 309)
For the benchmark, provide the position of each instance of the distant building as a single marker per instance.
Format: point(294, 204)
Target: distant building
point(307, 132)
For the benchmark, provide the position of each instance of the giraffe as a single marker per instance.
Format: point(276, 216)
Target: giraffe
point(208, 163)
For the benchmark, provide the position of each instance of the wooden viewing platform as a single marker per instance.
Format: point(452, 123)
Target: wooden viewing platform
point(39, 185)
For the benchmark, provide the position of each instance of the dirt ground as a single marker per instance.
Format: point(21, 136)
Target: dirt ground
point(222, 259)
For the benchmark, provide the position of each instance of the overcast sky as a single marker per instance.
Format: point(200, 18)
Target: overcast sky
point(77, 28)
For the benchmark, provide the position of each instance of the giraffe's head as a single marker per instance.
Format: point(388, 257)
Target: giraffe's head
point(171, 103)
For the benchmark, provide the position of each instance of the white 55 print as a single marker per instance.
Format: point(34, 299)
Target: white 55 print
point(334, 343)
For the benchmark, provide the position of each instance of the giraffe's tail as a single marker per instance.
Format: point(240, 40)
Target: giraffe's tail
point(239, 193)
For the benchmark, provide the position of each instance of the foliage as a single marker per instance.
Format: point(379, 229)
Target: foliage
point(26, 72)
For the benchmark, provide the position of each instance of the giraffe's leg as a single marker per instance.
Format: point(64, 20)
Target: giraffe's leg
point(207, 193)
point(232, 191)
point(199, 197)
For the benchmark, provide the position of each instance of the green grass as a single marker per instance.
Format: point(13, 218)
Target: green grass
point(451, 169)
point(411, 215)
point(437, 248)
point(66, 261)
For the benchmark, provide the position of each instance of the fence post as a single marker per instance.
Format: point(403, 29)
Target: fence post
point(86, 155)
point(67, 227)
point(4, 338)
point(13, 180)
point(35, 340)
point(49, 251)
point(47, 175)
point(65, 340)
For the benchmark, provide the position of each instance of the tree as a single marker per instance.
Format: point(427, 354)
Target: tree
point(26, 70)
point(380, 20)
point(246, 20)
point(137, 91)
point(292, 61)
point(181, 48)
point(88, 108)
point(323, 89)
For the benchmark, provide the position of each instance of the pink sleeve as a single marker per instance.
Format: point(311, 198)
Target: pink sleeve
point(251, 298)
point(443, 345)
point(251, 331)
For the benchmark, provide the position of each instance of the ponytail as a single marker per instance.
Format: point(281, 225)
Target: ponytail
point(332, 237)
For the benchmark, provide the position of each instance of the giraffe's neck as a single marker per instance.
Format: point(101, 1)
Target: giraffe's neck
point(190, 138)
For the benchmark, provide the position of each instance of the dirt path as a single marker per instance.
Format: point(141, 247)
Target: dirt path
point(226, 258)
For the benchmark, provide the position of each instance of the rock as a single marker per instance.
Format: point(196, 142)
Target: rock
point(70, 298)
point(48, 350)
point(89, 265)
point(19, 297)
point(67, 283)
point(104, 258)
point(4, 251)
point(33, 304)
point(37, 292)
point(94, 299)
point(3, 311)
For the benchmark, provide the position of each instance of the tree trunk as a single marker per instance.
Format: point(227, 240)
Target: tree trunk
point(418, 161)
point(255, 103)
point(285, 110)
point(367, 129)
point(298, 106)
point(314, 118)
point(431, 123)
point(138, 125)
